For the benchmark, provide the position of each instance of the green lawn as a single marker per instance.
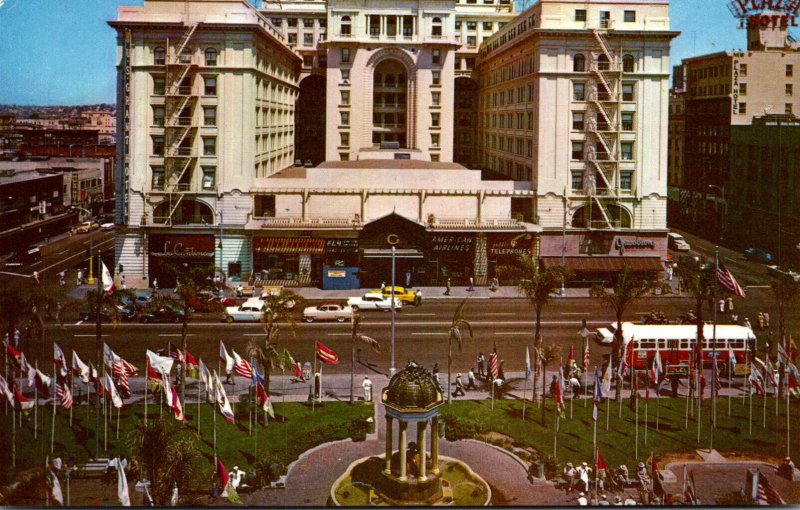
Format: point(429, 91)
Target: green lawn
point(618, 444)
point(294, 430)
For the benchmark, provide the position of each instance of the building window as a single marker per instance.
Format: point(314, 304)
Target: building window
point(345, 97)
point(209, 146)
point(742, 108)
point(277, 22)
point(158, 116)
point(472, 25)
point(458, 24)
point(577, 180)
point(628, 64)
point(159, 56)
point(211, 57)
point(323, 61)
point(580, 14)
point(789, 70)
point(742, 69)
point(345, 118)
point(209, 177)
point(742, 89)
point(308, 23)
point(346, 75)
point(159, 85)
point(435, 119)
point(292, 22)
point(578, 91)
point(435, 140)
point(436, 27)
point(787, 108)
point(264, 206)
point(487, 26)
point(344, 139)
point(626, 148)
point(186, 56)
point(210, 85)
point(292, 38)
point(209, 115)
point(579, 63)
point(345, 27)
point(435, 98)
point(436, 56)
point(630, 16)
point(308, 60)
point(627, 121)
point(344, 156)
point(605, 19)
point(345, 55)
point(577, 121)
point(577, 150)
point(158, 178)
point(472, 41)
point(789, 89)
point(434, 158)
point(158, 146)
point(308, 40)
point(436, 77)
point(626, 180)
point(627, 91)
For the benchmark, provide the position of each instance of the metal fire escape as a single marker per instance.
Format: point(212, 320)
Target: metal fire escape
point(180, 121)
point(604, 127)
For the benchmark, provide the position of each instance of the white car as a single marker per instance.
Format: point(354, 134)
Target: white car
point(373, 301)
point(328, 312)
point(250, 310)
point(106, 226)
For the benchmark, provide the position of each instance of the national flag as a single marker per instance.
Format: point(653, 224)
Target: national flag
point(792, 350)
point(767, 494)
point(5, 390)
point(241, 367)
point(757, 380)
point(192, 367)
point(717, 382)
point(64, 394)
point(122, 486)
point(79, 368)
point(208, 381)
point(15, 355)
point(116, 363)
point(655, 367)
point(727, 280)
point(175, 353)
point(60, 360)
point(702, 384)
point(111, 390)
point(175, 404)
point(605, 385)
point(781, 354)
point(527, 363)
point(689, 491)
point(23, 364)
point(31, 375)
point(571, 356)
point(793, 387)
point(257, 378)
point(600, 464)
point(55, 485)
point(43, 382)
point(559, 393)
point(20, 401)
point(121, 380)
point(627, 359)
point(296, 368)
point(263, 400)
point(159, 366)
point(225, 357)
point(494, 367)
point(598, 394)
point(731, 361)
point(222, 400)
point(586, 358)
point(228, 490)
point(108, 281)
point(152, 375)
point(94, 377)
point(658, 479)
point(326, 355)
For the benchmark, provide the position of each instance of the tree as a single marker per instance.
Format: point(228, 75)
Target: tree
point(278, 309)
point(628, 288)
point(699, 279)
point(786, 290)
point(538, 286)
point(455, 335)
point(547, 354)
point(356, 337)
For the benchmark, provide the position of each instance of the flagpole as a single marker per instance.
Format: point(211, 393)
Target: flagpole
point(714, 367)
point(555, 432)
point(161, 397)
point(646, 404)
point(105, 414)
point(633, 375)
point(55, 397)
point(608, 398)
point(788, 413)
point(71, 385)
point(216, 400)
point(36, 402)
point(594, 440)
point(313, 382)
point(699, 386)
point(119, 411)
point(764, 410)
point(249, 411)
point(146, 383)
point(198, 406)
point(730, 386)
point(751, 405)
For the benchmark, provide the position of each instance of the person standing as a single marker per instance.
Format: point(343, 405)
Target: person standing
point(155, 284)
point(481, 362)
point(367, 385)
point(122, 282)
point(79, 279)
point(583, 473)
point(36, 278)
point(669, 272)
point(747, 323)
point(435, 372)
point(729, 302)
point(471, 380)
point(568, 474)
point(471, 284)
point(383, 286)
point(459, 391)
point(766, 319)
point(408, 279)
point(447, 287)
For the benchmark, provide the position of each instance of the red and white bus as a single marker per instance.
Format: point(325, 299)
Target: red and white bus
point(676, 341)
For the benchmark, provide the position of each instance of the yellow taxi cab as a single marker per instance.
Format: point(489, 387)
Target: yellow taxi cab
point(405, 296)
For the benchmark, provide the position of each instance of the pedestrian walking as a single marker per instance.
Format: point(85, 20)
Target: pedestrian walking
point(36, 278)
point(568, 474)
point(729, 302)
point(459, 391)
point(584, 472)
point(471, 380)
point(408, 279)
point(62, 280)
point(155, 284)
point(747, 323)
point(766, 320)
point(481, 362)
point(722, 306)
point(447, 287)
point(367, 385)
point(734, 318)
point(79, 279)
point(435, 372)
point(122, 282)
point(16, 337)
point(383, 286)
point(471, 284)
point(669, 272)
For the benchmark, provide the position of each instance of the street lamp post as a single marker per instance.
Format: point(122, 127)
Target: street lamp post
point(90, 278)
point(724, 209)
point(391, 293)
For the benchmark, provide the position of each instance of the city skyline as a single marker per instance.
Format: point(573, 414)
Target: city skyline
point(83, 67)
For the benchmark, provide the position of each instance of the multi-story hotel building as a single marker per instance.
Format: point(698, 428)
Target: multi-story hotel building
point(393, 112)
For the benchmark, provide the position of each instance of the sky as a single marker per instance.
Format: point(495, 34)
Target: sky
point(62, 52)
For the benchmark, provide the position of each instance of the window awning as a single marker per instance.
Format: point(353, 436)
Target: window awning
point(287, 245)
point(382, 253)
point(606, 264)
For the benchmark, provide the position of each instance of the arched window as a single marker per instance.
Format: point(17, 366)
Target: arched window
point(603, 63)
point(579, 63)
point(436, 30)
point(211, 57)
point(628, 64)
point(592, 217)
point(389, 103)
point(345, 28)
point(160, 56)
point(188, 212)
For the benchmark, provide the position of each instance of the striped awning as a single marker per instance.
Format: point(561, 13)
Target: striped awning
point(288, 245)
point(607, 264)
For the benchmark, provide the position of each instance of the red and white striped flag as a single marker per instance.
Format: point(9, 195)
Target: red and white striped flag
point(494, 367)
point(586, 358)
point(175, 353)
point(241, 366)
point(326, 355)
point(60, 360)
point(64, 394)
point(296, 369)
point(756, 380)
point(717, 382)
point(727, 280)
point(767, 494)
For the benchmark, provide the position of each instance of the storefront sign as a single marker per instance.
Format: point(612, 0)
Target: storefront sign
point(336, 273)
point(74, 188)
point(337, 246)
point(509, 245)
point(634, 244)
point(735, 86)
point(182, 246)
point(288, 245)
point(452, 244)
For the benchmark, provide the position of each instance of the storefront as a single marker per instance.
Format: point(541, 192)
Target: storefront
point(287, 259)
point(450, 256)
point(503, 250)
point(169, 253)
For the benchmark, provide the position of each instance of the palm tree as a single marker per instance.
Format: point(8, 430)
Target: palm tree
point(356, 337)
point(278, 309)
point(547, 354)
point(456, 335)
point(538, 286)
point(699, 280)
point(786, 291)
point(627, 289)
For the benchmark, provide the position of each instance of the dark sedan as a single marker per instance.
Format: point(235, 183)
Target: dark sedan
point(124, 312)
point(759, 255)
point(163, 313)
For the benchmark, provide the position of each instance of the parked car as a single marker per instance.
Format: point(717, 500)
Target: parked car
point(207, 301)
point(142, 298)
point(779, 271)
point(107, 226)
point(245, 291)
point(677, 242)
point(163, 313)
point(374, 301)
point(327, 312)
point(250, 310)
point(126, 312)
point(406, 296)
point(86, 227)
point(759, 255)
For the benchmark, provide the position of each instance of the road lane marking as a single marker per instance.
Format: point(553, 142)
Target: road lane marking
point(62, 252)
point(79, 322)
point(513, 333)
point(419, 315)
point(170, 334)
point(574, 313)
point(757, 287)
point(500, 313)
point(254, 334)
point(338, 334)
point(317, 325)
point(80, 254)
point(14, 274)
point(91, 336)
point(429, 334)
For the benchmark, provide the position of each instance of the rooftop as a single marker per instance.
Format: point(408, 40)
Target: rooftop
point(393, 164)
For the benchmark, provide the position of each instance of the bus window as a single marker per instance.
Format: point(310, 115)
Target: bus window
point(662, 344)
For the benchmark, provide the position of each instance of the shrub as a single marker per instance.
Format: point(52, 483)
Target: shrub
point(358, 430)
point(267, 471)
point(550, 466)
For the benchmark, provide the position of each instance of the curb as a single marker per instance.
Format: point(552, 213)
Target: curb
point(519, 461)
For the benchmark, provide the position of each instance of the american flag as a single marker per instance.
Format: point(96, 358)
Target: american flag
point(121, 380)
point(717, 382)
point(493, 365)
point(689, 491)
point(586, 358)
point(175, 353)
point(767, 493)
point(64, 394)
point(727, 280)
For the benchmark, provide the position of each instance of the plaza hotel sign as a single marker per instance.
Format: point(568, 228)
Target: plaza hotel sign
point(765, 13)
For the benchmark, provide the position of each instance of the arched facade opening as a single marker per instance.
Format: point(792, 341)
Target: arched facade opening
point(436, 27)
point(602, 62)
point(628, 64)
point(466, 119)
point(345, 28)
point(590, 216)
point(579, 63)
point(309, 120)
point(188, 212)
point(390, 103)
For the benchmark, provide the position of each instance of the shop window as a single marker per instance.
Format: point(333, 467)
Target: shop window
point(209, 177)
point(264, 206)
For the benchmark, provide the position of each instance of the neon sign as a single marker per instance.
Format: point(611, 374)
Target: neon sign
point(765, 13)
